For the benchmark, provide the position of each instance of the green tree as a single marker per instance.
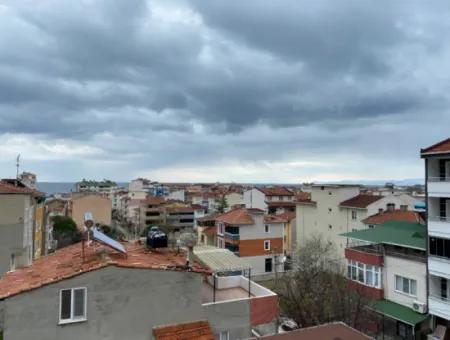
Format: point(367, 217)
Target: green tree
point(65, 231)
point(223, 205)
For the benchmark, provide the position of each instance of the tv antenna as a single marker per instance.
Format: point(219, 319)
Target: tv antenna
point(17, 166)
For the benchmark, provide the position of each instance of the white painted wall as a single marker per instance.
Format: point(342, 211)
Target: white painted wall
point(254, 198)
point(410, 269)
point(234, 198)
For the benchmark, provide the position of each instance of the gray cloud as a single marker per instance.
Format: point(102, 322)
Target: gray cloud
point(164, 83)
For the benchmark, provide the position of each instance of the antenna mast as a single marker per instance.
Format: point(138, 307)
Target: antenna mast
point(17, 166)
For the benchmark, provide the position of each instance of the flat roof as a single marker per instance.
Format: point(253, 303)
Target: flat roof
point(397, 233)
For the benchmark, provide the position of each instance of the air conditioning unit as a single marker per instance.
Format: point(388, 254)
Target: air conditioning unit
point(420, 307)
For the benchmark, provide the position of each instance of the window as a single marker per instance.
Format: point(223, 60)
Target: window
point(220, 231)
point(330, 226)
point(363, 273)
point(267, 245)
point(202, 239)
point(405, 285)
point(404, 331)
point(268, 265)
point(267, 228)
point(440, 247)
point(330, 210)
point(224, 335)
point(371, 226)
point(354, 215)
point(330, 193)
point(72, 307)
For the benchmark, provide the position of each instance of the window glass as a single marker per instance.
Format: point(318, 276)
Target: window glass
point(78, 300)
point(413, 287)
point(369, 275)
point(360, 272)
point(66, 297)
point(405, 286)
point(398, 283)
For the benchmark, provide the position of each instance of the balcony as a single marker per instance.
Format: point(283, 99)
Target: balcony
point(439, 226)
point(368, 254)
point(231, 236)
point(439, 306)
point(438, 186)
point(439, 266)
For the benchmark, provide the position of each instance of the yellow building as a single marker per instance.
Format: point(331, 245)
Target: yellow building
point(289, 229)
point(39, 230)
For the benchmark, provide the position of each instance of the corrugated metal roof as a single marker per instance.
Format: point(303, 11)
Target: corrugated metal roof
point(219, 260)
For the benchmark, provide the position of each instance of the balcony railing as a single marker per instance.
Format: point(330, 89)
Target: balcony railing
point(439, 219)
point(440, 298)
point(438, 179)
point(231, 236)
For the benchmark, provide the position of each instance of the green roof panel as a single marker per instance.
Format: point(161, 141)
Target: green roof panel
point(399, 312)
point(398, 233)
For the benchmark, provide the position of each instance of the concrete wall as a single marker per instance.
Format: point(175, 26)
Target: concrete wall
point(234, 199)
point(406, 268)
point(233, 317)
point(254, 198)
point(121, 304)
point(258, 264)
point(100, 207)
point(257, 230)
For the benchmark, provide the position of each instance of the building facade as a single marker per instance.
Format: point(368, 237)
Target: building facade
point(437, 165)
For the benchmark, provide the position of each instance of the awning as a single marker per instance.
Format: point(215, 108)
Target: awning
point(399, 312)
point(219, 259)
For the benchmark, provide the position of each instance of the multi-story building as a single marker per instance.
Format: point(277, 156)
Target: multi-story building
point(98, 205)
point(273, 200)
point(387, 265)
point(289, 237)
point(335, 209)
point(102, 293)
point(252, 234)
point(17, 224)
point(437, 169)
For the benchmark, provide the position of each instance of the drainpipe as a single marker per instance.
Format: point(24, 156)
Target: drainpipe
point(214, 287)
point(249, 281)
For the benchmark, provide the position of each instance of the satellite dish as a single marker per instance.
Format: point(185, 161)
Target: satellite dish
point(88, 220)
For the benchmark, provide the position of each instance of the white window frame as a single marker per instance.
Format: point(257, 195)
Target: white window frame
point(220, 228)
point(401, 291)
point(353, 267)
point(224, 335)
point(266, 245)
point(354, 215)
point(267, 229)
point(72, 306)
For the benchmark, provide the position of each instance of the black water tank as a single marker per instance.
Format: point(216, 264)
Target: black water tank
point(156, 239)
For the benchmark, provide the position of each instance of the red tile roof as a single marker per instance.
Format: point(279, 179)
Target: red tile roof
point(274, 219)
point(198, 330)
point(361, 201)
point(276, 191)
point(68, 262)
point(7, 188)
point(396, 215)
point(331, 331)
point(302, 196)
point(240, 216)
point(441, 147)
point(288, 215)
point(154, 200)
point(180, 209)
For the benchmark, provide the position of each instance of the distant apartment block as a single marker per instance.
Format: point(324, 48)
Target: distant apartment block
point(98, 205)
point(335, 209)
point(273, 200)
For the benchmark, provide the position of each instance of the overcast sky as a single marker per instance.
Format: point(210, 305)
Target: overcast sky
point(245, 91)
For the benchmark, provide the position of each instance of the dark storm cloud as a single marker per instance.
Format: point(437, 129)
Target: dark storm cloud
point(134, 77)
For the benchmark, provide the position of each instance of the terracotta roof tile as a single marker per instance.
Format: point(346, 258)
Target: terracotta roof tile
point(441, 147)
point(396, 215)
point(7, 188)
point(361, 201)
point(197, 330)
point(274, 219)
point(68, 262)
point(240, 216)
point(288, 215)
point(276, 191)
point(154, 200)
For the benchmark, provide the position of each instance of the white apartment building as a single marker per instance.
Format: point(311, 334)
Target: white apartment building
point(334, 209)
point(437, 165)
